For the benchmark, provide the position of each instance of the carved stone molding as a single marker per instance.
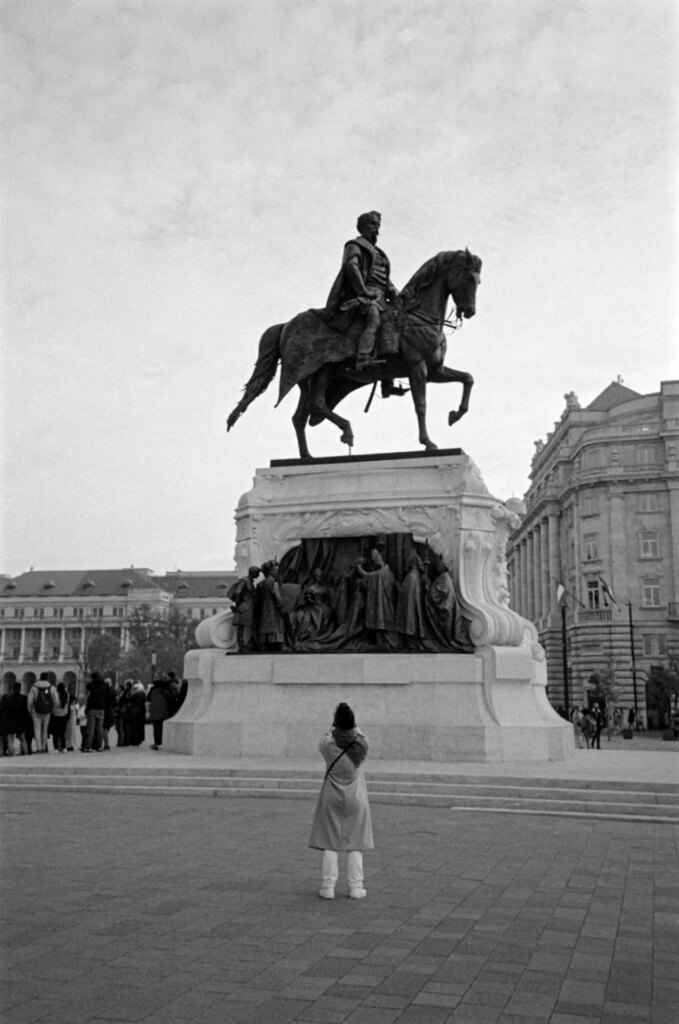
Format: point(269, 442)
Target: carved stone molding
point(443, 501)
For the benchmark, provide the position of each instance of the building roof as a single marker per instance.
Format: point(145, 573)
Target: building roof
point(78, 583)
point(614, 394)
point(189, 585)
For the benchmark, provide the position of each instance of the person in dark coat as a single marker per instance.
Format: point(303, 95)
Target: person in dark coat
point(137, 715)
point(15, 719)
point(159, 699)
point(342, 817)
point(97, 702)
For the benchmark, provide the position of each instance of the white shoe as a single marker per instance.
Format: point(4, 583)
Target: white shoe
point(357, 893)
point(327, 892)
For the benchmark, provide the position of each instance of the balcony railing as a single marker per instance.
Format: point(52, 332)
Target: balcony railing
point(595, 615)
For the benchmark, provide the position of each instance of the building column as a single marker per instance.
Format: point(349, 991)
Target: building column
point(523, 609)
point(2, 643)
point(554, 559)
point(62, 643)
point(41, 653)
point(22, 644)
point(544, 566)
point(537, 597)
point(529, 603)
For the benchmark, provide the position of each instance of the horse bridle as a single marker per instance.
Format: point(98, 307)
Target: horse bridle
point(446, 322)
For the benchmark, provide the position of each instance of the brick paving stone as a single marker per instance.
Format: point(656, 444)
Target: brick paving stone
point(506, 920)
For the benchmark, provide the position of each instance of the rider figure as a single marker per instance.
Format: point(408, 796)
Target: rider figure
point(363, 287)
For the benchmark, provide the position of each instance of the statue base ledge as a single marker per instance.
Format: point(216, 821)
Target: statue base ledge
point(486, 706)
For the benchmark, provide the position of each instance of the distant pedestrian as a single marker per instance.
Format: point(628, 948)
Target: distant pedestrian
point(578, 733)
point(598, 722)
point(617, 720)
point(587, 727)
point(342, 819)
point(109, 718)
point(137, 714)
point(72, 722)
point(641, 727)
point(42, 698)
point(97, 699)
point(59, 719)
point(631, 717)
point(15, 720)
point(161, 707)
point(123, 713)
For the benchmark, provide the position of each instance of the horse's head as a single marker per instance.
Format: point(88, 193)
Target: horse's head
point(463, 280)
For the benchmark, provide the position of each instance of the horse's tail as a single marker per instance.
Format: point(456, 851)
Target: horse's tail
point(263, 373)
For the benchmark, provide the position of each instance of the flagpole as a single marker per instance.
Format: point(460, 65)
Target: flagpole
point(564, 657)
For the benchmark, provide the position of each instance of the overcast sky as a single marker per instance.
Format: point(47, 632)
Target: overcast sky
point(181, 174)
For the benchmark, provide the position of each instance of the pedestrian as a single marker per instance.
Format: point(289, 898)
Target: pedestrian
point(16, 720)
point(160, 704)
point(137, 714)
point(641, 727)
point(617, 721)
point(598, 722)
point(59, 719)
point(587, 727)
point(72, 722)
point(123, 714)
point(6, 745)
point(631, 716)
point(82, 723)
point(578, 734)
point(42, 699)
point(342, 819)
point(97, 699)
point(109, 717)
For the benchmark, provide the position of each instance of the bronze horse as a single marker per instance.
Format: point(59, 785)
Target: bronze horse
point(321, 361)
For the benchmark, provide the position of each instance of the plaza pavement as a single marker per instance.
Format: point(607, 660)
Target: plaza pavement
point(119, 908)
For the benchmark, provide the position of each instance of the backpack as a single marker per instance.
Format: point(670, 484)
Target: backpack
point(44, 704)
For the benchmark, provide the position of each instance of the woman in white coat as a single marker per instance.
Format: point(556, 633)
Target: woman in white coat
point(342, 817)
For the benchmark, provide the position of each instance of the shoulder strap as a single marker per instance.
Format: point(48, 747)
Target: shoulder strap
point(341, 754)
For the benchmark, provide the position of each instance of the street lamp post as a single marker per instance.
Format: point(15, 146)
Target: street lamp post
point(564, 659)
point(634, 660)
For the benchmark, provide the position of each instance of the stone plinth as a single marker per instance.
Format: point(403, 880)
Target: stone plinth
point(487, 706)
point(490, 705)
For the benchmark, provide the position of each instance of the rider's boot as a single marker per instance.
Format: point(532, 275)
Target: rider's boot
point(389, 389)
point(366, 346)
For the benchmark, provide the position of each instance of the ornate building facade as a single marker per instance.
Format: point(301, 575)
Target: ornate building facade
point(46, 615)
point(601, 520)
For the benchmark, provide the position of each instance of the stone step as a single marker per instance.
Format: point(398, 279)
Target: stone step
point(384, 785)
point(312, 774)
point(655, 802)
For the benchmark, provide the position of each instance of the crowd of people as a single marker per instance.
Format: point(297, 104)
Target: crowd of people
point(48, 712)
point(589, 723)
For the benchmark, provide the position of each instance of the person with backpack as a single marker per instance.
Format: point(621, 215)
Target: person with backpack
point(59, 719)
point(42, 699)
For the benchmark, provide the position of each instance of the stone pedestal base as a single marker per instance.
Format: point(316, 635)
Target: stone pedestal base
point(487, 706)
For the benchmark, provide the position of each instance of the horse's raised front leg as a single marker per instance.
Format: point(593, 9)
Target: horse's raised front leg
point(319, 409)
point(418, 387)
point(300, 418)
point(444, 375)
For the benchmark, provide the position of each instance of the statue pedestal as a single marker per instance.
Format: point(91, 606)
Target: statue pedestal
point(489, 705)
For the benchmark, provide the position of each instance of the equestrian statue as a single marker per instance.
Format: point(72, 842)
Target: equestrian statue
point(368, 332)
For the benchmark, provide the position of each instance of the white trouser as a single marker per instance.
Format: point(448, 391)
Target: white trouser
point(331, 868)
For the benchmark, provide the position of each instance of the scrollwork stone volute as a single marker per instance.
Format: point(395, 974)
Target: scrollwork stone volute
point(484, 594)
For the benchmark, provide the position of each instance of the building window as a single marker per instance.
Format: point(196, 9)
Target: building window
point(18, 613)
point(648, 503)
point(650, 595)
point(649, 545)
point(2, 613)
point(654, 646)
point(591, 551)
point(593, 596)
point(645, 456)
point(58, 613)
point(38, 613)
point(590, 505)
